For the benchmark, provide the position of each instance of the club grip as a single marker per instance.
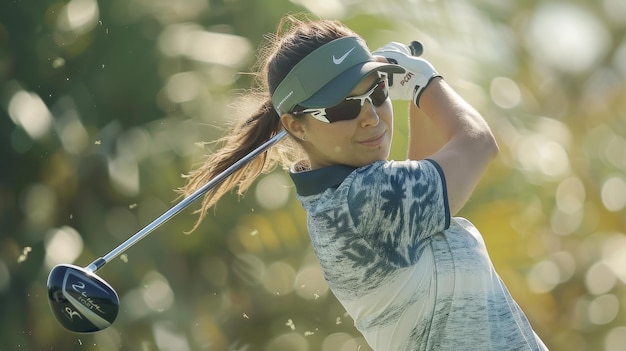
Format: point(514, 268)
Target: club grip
point(417, 49)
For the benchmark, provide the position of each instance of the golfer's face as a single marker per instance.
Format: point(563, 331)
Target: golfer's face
point(355, 142)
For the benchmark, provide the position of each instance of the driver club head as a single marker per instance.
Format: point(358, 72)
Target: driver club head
point(80, 300)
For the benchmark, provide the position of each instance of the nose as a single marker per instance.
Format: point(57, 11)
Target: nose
point(368, 116)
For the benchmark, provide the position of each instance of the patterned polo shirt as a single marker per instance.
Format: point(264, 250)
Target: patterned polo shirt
point(410, 276)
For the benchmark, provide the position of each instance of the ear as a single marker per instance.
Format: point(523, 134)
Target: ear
point(295, 126)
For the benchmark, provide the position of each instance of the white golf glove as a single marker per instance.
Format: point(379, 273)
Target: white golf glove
point(419, 72)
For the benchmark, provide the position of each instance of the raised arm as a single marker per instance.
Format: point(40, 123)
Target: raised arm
point(469, 143)
point(424, 137)
point(443, 126)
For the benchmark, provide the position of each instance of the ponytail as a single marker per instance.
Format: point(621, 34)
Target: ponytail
point(294, 40)
point(240, 141)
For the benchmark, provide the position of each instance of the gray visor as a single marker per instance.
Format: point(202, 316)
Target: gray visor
point(327, 75)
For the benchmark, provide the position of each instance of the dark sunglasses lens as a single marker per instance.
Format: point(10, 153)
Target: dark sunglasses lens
point(346, 110)
point(350, 109)
point(379, 95)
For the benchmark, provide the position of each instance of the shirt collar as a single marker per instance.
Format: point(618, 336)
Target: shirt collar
point(317, 181)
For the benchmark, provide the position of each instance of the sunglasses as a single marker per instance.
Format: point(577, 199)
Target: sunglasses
point(350, 108)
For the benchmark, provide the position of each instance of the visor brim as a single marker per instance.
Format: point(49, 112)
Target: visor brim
point(341, 86)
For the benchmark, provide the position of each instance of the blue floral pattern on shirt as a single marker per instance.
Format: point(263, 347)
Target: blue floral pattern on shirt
point(411, 277)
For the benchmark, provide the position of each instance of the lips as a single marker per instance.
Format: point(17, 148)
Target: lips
point(375, 140)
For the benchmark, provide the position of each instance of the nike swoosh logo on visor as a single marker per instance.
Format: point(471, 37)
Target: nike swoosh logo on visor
point(338, 61)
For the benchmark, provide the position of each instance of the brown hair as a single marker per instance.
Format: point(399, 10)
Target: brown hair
point(294, 39)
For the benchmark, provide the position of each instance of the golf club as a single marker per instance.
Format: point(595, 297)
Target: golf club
point(81, 301)
point(417, 49)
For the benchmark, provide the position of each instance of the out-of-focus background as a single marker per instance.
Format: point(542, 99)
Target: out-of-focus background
point(104, 104)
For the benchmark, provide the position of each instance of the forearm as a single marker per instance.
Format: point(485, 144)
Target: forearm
point(424, 137)
point(469, 143)
point(453, 118)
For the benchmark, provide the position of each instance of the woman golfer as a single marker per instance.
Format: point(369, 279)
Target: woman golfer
point(410, 275)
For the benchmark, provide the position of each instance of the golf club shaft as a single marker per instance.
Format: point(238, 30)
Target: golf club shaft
point(416, 49)
point(101, 261)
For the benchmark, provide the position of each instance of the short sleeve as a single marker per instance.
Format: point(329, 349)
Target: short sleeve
point(396, 206)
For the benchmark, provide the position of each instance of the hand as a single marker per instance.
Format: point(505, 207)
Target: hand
point(419, 72)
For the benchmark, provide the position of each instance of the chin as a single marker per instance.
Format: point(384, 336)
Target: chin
point(384, 153)
point(381, 156)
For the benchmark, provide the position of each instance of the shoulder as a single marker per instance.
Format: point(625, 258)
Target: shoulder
point(390, 181)
point(385, 173)
point(392, 188)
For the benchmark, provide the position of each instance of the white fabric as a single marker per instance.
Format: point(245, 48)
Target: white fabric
point(408, 280)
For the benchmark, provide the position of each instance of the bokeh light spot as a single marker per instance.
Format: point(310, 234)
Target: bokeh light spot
point(570, 195)
point(137, 142)
point(124, 174)
point(157, 293)
point(39, 205)
point(183, 86)
point(78, 16)
point(599, 278)
point(566, 37)
point(615, 11)
point(31, 113)
point(614, 149)
point(614, 255)
point(310, 282)
point(541, 156)
point(566, 263)
point(279, 278)
point(325, 9)
point(168, 338)
point(291, 341)
point(335, 341)
point(272, 191)
point(353, 344)
point(249, 268)
point(614, 193)
point(192, 41)
point(603, 309)
point(566, 223)
point(62, 245)
point(505, 92)
point(615, 339)
point(74, 136)
point(543, 277)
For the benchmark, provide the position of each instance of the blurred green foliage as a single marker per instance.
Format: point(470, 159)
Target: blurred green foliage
point(104, 104)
